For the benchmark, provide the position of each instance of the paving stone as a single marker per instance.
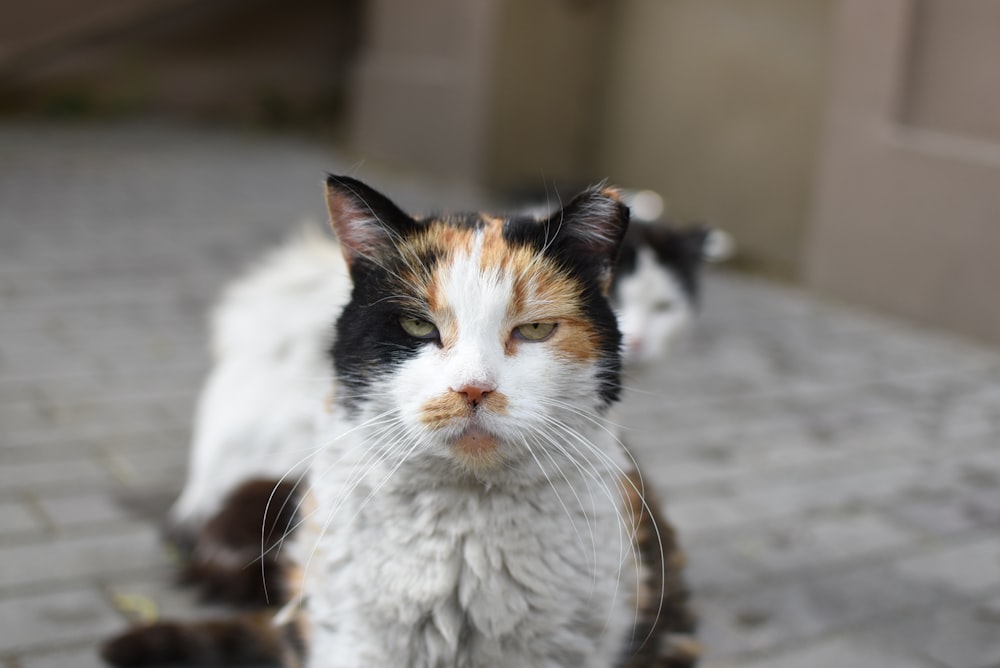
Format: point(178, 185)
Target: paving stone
point(160, 597)
point(179, 379)
point(773, 615)
point(65, 559)
point(943, 513)
point(791, 549)
point(128, 413)
point(953, 635)
point(32, 622)
point(17, 518)
point(75, 472)
point(154, 468)
point(82, 510)
point(81, 656)
point(42, 360)
point(717, 507)
point(971, 567)
point(834, 653)
point(168, 438)
point(21, 417)
point(86, 432)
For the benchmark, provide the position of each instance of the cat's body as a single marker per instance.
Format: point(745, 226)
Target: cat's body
point(468, 505)
point(476, 574)
point(271, 335)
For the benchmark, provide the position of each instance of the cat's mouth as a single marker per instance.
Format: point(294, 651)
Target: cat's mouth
point(477, 448)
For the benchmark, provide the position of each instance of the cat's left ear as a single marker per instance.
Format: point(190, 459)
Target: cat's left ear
point(366, 222)
point(591, 228)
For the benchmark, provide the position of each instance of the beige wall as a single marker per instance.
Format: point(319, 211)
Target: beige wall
point(421, 85)
point(547, 77)
point(717, 104)
point(500, 92)
point(29, 27)
point(907, 214)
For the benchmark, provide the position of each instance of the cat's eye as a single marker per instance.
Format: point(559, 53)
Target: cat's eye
point(418, 327)
point(535, 331)
point(663, 306)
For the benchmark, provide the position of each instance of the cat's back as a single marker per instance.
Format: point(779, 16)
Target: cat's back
point(285, 299)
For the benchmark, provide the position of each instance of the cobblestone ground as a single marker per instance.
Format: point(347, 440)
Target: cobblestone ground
point(835, 476)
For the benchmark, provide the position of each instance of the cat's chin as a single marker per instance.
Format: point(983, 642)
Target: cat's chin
point(477, 449)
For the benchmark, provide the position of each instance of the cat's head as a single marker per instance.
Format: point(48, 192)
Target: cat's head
point(656, 286)
point(472, 338)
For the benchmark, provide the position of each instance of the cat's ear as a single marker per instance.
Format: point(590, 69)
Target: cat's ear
point(366, 222)
point(591, 228)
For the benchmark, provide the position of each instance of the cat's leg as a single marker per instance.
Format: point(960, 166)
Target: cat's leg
point(664, 634)
point(249, 640)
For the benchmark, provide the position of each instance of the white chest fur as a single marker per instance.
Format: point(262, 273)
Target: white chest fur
point(457, 575)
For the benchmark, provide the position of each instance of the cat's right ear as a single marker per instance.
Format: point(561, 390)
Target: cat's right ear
point(591, 228)
point(366, 222)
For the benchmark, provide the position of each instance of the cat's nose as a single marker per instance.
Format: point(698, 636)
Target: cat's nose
point(474, 392)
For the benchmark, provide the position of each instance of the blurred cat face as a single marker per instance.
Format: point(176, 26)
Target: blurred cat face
point(653, 309)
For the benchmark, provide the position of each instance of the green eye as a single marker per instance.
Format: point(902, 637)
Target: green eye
point(418, 328)
point(663, 306)
point(535, 331)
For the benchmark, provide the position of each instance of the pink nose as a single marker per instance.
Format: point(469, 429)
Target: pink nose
point(474, 392)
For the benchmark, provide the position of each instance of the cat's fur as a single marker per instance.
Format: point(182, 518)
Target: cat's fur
point(271, 335)
point(468, 506)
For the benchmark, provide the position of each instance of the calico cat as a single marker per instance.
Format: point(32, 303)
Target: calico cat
point(271, 331)
point(466, 504)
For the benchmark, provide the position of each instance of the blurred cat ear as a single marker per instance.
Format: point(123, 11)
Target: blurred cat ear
point(718, 245)
point(365, 221)
point(591, 228)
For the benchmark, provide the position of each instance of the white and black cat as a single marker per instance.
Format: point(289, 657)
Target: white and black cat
point(467, 504)
point(656, 285)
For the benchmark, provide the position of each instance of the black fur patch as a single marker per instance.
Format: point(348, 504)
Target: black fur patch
point(243, 640)
point(226, 563)
point(370, 343)
point(679, 249)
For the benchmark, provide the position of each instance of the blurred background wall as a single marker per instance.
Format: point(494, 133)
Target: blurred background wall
point(851, 146)
point(717, 104)
point(256, 61)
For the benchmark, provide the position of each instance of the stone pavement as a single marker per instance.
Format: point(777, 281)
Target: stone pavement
point(835, 475)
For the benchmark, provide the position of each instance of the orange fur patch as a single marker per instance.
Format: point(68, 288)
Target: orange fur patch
point(541, 292)
point(444, 409)
point(576, 340)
